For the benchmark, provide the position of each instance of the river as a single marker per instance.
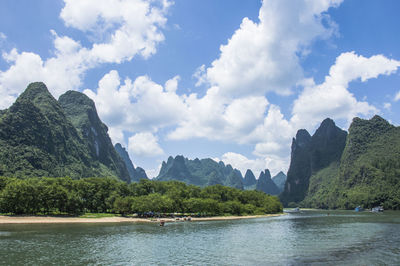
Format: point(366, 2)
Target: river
point(308, 237)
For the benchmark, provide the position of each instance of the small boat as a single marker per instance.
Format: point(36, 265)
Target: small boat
point(359, 209)
point(295, 210)
point(377, 209)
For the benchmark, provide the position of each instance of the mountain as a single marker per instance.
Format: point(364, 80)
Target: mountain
point(309, 155)
point(198, 172)
point(38, 138)
point(280, 180)
point(249, 181)
point(234, 179)
point(265, 183)
point(135, 174)
point(368, 173)
point(81, 111)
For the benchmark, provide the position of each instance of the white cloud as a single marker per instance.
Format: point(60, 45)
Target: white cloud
point(262, 57)
point(397, 96)
point(137, 106)
point(152, 173)
point(218, 118)
point(332, 98)
point(60, 73)
point(172, 84)
point(256, 165)
point(117, 136)
point(130, 28)
point(144, 144)
point(387, 106)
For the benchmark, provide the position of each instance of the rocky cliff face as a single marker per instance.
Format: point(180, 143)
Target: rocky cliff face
point(309, 155)
point(81, 111)
point(326, 145)
point(135, 174)
point(367, 173)
point(265, 183)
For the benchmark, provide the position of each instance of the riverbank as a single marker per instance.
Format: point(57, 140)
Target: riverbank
point(114, 219)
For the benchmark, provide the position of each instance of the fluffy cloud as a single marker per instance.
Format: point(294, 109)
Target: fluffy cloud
point(137, 106)
point(60, 73)
point(264, 56)
point(257, 165)
point(128, 28)
point(332, 98)
point(134, 26)
point(218, 118)
point(144, 144)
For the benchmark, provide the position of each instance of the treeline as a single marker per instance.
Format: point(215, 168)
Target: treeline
point(105, 195)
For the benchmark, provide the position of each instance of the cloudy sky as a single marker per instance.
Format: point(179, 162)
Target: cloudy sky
point(229, 80)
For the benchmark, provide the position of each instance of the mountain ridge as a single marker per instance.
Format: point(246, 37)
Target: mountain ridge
point(358, 168)
point(38, 138)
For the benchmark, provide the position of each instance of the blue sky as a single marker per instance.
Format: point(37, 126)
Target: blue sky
point(229, 80)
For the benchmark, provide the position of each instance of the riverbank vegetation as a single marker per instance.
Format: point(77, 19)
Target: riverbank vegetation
point(105, 195)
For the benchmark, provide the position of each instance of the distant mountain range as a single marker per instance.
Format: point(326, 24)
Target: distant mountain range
point(206, 172)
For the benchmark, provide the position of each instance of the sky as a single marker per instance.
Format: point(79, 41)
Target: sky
point(230, 80)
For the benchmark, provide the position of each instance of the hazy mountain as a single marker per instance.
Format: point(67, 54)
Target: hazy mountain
point(135, 173)
point(265, 183)
point(249, 181)
point(202, 172)
point(280, 180)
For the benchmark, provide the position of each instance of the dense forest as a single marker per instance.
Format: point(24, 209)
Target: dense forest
point(106, 195)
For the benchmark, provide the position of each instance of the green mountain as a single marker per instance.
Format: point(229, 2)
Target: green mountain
point(249, 181)
point(38, 138)
point(265, 183)
point(135, 174)
point(280, 180)
point(81, 111)
point(234, 179)
point(333, 169)
point(204, 172)
point(368, 173)
point(310, 155)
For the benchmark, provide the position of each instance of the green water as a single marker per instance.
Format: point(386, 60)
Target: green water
point(309, 237)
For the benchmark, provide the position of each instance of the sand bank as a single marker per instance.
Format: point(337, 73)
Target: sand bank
point(116, 219)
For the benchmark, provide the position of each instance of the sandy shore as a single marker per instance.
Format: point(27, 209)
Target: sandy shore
point(55, 220)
